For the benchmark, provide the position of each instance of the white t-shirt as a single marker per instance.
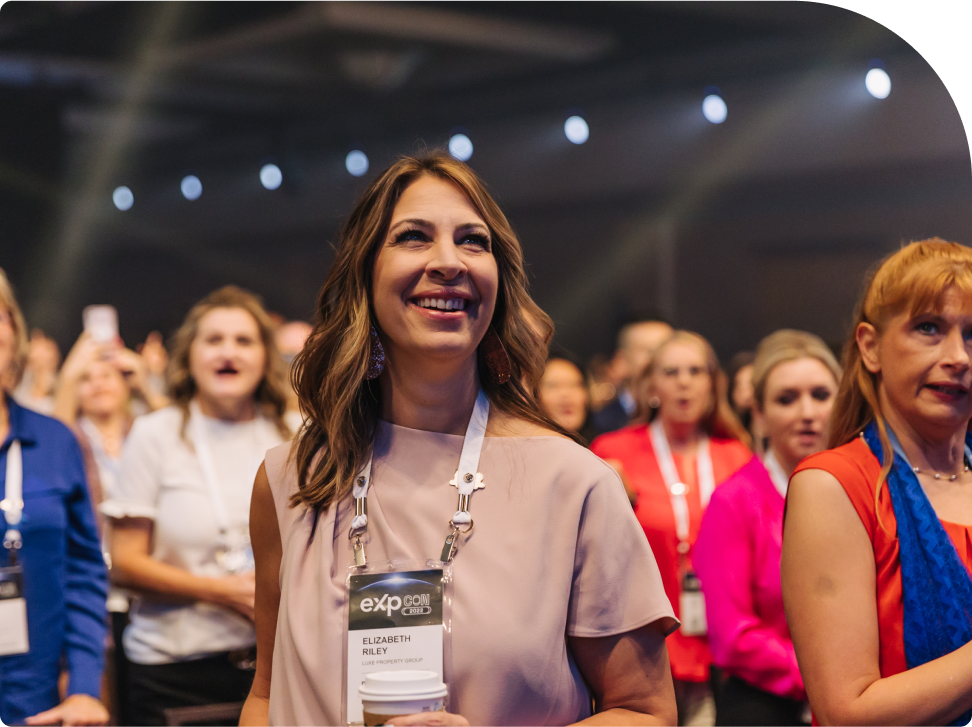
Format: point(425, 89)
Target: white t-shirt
point(161, 479)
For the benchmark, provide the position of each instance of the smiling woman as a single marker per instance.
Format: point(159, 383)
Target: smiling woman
point(876, 545)
point(427, 333)
point(179, 514)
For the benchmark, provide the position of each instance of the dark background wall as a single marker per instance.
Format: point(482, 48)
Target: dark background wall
point(767, 220)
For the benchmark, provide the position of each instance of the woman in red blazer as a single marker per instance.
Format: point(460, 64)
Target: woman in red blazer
point(688, 443)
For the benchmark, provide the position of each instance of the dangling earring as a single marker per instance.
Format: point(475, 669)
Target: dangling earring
point(654, 402)
point(376, 356)
point(496, 357)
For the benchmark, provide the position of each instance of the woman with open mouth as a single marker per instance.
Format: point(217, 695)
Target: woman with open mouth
point(687, 444)
point(179, 515)
point(877, 541)
point(737, 555)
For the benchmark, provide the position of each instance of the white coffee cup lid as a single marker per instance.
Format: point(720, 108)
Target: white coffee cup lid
point(402, 685)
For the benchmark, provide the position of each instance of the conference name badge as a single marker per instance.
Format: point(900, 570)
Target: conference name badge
point(691, 607)
point(13, 612)
point(395, 622)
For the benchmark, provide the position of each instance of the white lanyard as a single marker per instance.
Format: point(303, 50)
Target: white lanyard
point(467, 479)
point(204, 454)
point(776, 473)
point(13, 501)
point(677, 489)
point(108, 466)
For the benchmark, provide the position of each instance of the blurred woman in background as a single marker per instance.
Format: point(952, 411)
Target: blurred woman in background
point(564, 396)
point(180, 516)
point(50, 558)
point(93, 397)
point(36, 388)
point(876, 543)
point(691, 443)
point(737, 554)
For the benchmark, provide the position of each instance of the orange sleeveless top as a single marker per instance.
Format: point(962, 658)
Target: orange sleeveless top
point(857, 470)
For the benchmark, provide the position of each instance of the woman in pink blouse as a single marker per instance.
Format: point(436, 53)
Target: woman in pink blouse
point(737, 554)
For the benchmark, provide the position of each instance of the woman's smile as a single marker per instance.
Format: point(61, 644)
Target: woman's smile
point(442, 305)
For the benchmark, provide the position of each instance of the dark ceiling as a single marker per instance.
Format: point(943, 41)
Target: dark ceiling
point(766, 220)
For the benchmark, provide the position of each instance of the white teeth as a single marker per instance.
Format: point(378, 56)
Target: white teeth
point(442, 303)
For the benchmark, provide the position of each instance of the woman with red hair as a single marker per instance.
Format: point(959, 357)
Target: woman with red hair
point(877, 542)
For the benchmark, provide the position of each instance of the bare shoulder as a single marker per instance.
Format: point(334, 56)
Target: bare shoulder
point(502, 424)
point(820, 513)
point(817, 490)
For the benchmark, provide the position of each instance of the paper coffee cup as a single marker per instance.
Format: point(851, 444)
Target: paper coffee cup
point(387, 694)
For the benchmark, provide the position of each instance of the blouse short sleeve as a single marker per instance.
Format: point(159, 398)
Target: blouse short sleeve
point(139, 478)
point(616, 586)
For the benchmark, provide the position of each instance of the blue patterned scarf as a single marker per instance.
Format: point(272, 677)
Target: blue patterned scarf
point(936, 585)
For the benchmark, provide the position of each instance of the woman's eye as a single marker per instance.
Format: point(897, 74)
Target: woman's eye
point(927, 327)
point(479, 240)
point(822, 394)
point(411, 235)
point(670, 372)
point(785, 399)
point(696, 371)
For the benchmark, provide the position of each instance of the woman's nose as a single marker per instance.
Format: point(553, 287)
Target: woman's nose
point(445, 260)
point(955, 351)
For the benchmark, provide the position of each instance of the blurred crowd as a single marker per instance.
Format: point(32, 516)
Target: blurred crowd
point(660, 410)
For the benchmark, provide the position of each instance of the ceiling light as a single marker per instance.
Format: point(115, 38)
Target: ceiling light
point(191, 187)
point(356, 163)
point(878, 83)
point(461, 147)
point(123, 198)
point(270, 176)
point(714, 108)
point(576, 130)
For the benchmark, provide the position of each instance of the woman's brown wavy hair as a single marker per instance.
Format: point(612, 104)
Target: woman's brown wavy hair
point(271, 393)
point(915, 278)
point(720, 420)
point(340, 406)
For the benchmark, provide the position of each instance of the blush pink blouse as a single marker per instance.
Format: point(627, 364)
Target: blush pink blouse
point(737, 558)
point(556, 552)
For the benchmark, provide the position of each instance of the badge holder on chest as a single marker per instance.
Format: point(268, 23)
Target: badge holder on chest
point(691, 603)
point(13, 606)
point(399, 612)
point(234, 554)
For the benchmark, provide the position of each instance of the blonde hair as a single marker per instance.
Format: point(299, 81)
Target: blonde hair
point(720, 420)
point(15, 369)
point(915, 278)
point(271, 393)
point(788, 345)
point(341, 406)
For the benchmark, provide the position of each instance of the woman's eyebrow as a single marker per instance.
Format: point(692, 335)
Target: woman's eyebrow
point(414, 221)
point(473, 226)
